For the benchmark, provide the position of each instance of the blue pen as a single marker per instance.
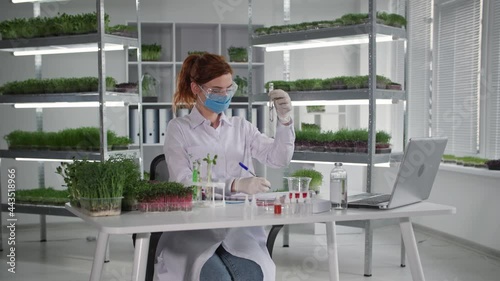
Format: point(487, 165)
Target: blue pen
point(246, 169)
point(252, 173)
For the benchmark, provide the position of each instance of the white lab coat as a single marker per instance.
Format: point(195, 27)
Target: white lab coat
point(181, 255)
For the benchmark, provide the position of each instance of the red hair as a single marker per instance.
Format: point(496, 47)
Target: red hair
point(199, 68)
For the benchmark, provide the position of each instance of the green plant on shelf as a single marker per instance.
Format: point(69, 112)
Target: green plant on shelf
point(123, 30)
point(151, 52)
point(315, 108)
point(242, 86)
point(85, 138)
point(55, 86)
point(196, 52)
point(283, 85)
point(62, 24)
point(310, 127)
point(345, 20)
point(307, 84)
point(343, 140)
point(332, 83)
point(237, 54)
point(469, 161)
point(42, 196)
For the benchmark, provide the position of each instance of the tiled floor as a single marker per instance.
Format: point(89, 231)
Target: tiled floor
point(67, 256)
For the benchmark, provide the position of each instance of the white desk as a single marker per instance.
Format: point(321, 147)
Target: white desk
point(235, 216)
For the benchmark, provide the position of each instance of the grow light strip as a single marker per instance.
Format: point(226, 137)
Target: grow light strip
point(48, 160)
point(43, 160)
point(384, 165)
point(322, 43)
point(68, 104)
point(340, 102)
point(36, 1)
point(66, 50)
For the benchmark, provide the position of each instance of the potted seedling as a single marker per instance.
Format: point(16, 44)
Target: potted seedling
point(210, 162)
point(382, 142)
point(150, 196)
point(316, 178)
point(163, 196)
point(120, 143)
point(493, 164)
point(242, 85)
point(237, 54)
point(98, 186)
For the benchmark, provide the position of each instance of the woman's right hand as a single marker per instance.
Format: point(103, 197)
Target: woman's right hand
point(251, 185)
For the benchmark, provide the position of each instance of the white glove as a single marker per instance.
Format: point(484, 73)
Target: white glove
point(251, 185)
point(282, 103)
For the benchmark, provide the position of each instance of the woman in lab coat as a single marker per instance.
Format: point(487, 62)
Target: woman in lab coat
point(206, 85)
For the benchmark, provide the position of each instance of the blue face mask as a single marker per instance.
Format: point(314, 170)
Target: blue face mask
point(218, 102)
point(218, 106)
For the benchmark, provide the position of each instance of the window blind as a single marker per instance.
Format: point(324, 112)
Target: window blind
point(419, 70)
point(493, 89)
point(456, 79)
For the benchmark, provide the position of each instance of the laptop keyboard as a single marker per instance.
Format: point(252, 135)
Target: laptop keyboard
point(374, 200)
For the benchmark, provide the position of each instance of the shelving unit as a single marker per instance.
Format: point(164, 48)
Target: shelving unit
point(98, 42)
point(177, 39)
point(371, 33)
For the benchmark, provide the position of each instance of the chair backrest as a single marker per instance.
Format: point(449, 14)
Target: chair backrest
point(159, 170)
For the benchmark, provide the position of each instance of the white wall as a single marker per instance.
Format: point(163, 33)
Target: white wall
point(476, 198)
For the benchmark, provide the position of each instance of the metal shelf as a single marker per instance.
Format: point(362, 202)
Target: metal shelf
point(357, 158)
point(63, 155)
point(344, 35)
point(69, 97)
point(148, 63)
point(338, 95)
point(67, 42)
point(236, 102)
point(39, 209)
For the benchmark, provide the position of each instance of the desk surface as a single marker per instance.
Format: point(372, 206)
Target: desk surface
point(239, 216)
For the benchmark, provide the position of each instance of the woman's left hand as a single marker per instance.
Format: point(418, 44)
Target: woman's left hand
point(283, 104)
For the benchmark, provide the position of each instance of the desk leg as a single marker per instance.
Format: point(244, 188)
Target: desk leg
point(140, 256)
point(331, 243)
point(100, 252)
point(411, 248)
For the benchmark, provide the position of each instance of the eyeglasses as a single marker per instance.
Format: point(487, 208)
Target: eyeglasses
point(218, 91)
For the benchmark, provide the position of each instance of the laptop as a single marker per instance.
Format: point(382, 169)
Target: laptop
point(414, 179)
